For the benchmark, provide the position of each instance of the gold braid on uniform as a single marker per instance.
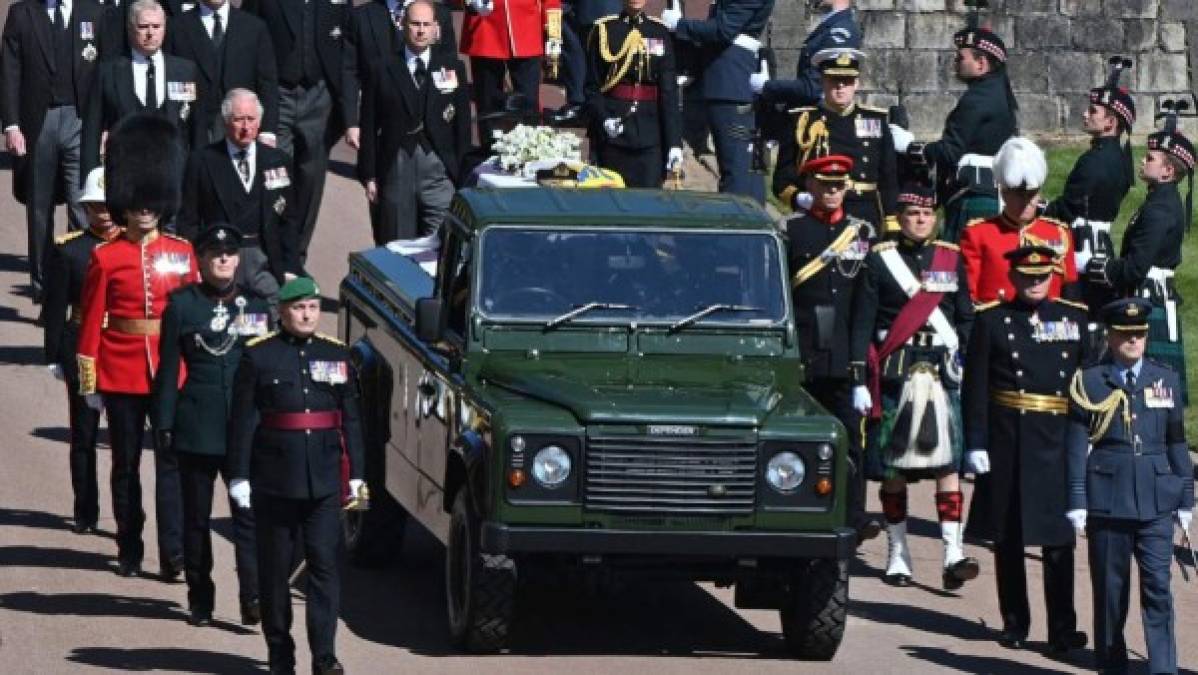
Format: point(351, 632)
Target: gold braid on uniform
point(1103, 412)
point(811, 136)
point(633, 48)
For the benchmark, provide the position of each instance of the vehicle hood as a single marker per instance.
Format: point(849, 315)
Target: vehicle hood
point(706, 390)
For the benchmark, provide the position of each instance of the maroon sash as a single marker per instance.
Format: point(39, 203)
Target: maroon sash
point(910, 319)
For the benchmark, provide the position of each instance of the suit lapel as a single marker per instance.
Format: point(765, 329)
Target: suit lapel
point(126, 92)
point(407, 87)
point(290, 15)
point(194, 28)
point(224, 177)
point(42, 28)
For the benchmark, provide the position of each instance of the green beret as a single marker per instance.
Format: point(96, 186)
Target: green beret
point(299, 288)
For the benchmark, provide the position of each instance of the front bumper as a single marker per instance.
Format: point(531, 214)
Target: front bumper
point(839, 544)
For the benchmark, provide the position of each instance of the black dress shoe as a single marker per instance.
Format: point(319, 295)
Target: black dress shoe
point(251, 612)
point(900, 580)
point(171, 569)
point(83, 528)
point(200, 617)
point(1013, 639)
point(128, 569)
point(867, 529)
point(1067, 642)
point(956, 574)
point(327, 665)
point(567, 114)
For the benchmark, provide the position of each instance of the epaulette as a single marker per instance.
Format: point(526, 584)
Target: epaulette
point(261, 338)
point(801, 109)
point(656, 19)
point(609, 17)
point(883, 246)
point(176, 237)
point(947, 244)
point(975, 221)
point(987, 305)
point(68, 236)
point(330, 338)
point(881, 111)
point(1056, 222)
point(1073, 303)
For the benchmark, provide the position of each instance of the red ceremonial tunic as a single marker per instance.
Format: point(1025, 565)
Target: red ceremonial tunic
point(515, 29)
point(128, 280)
point(985, 241)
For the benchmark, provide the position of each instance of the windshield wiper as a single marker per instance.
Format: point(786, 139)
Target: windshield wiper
point(583, 309)
point(708, 311)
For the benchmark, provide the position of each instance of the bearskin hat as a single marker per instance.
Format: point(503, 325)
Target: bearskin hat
point(143, 167)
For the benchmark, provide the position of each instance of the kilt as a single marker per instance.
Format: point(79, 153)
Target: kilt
point(1171, 354)
point(959, 212)
point(877, 454)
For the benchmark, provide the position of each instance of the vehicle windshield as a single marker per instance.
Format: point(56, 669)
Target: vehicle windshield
point(644, 276)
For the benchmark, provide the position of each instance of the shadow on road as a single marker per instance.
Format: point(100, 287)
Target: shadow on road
point(921, 618)
point(176, 659)
point(11, 262)
point(37, 519)
point(92, 604)
point(64, 558)
point(57, 434)
point(11, 315)
point(965, 663)
point(21, 356)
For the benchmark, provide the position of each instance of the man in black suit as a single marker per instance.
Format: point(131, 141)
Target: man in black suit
point(246, 183)
point(232, 49)
point(148, 81)
point(416, 117)
point(116, 17)
point(307, 38)
point(48, 66)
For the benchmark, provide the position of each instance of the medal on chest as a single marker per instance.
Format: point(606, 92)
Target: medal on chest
point(655, 46)
point(868, 127)
point(1054, 331)
point(1158, 395)
point(939, 282)
point(172, 263)
point(332, 372)
point(220, 318)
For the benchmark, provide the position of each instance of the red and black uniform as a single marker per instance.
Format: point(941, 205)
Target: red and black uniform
point(123, 300)
point(984, 242)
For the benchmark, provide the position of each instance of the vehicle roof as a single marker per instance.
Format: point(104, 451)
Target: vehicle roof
point(609, 206)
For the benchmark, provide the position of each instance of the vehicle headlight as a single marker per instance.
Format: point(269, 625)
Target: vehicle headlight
point(551, 466)
point(785, 471)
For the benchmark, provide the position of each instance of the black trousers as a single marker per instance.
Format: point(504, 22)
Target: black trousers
point(489, 92)
point(1011, 574)
point(85, 425)
point(836, 395)
point(639, 167)
point(198, 475)
point(127, 414)
point(280, 522)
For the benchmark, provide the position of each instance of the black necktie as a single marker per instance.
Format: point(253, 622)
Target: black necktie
point(421, 73)
point(151, 86)
point(60, 23)
point(1130, 378)
point(218, 31)
point(243, 167)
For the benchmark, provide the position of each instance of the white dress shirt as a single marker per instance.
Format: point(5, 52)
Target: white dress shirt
point(251, 156)
point(206, 17)
point(51, 5)
point(410, 58)
point(139, 76)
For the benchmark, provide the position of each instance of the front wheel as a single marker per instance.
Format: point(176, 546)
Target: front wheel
point(480, 588)
point(815, 612)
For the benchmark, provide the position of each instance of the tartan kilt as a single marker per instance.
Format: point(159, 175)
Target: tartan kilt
point(877, 457)
point(1171, 354)
point(960, 211)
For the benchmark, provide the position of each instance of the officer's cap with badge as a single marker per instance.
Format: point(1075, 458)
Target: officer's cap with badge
point(1033, 261)
point(1114, 97)
point(218, 238)
point(917, 194)
point(839, 62)
point(143, 167)
point(828, 168)
point(1127, 315)
point(299, 288)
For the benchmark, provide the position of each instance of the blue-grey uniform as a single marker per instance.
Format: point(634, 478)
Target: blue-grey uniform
point(837, 29)
point(1129, 470)
point(580, 17)
point(728, 40)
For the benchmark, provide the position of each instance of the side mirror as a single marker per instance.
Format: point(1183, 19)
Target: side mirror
point(428, 319)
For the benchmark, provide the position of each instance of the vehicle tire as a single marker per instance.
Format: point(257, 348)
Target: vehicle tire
point(374, 537)
point(480, 588)
point(813, 618)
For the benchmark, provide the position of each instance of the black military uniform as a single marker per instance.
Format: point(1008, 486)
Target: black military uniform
point(630, 77)
point(66, 270)
point(1129, 473)
point(295, 435)
point(826, 251)
point(205, 327)
point(1019, 362)
point(860, 132)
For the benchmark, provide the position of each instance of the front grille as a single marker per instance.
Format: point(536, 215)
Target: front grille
point(652, 474)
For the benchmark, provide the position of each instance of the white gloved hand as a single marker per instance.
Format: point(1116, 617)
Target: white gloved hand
point(239, 492)
point(94, 401)
point(613, 127)
point(55, 371)
point(757, 80)
point(902, 138)
point(863, 403)
point(978, 461)
point(355, 487)
point(1184, 518)
point(671, 17)
point(803, 201)
point(553, 48)
point(674, 159)
point(1081, 257)
point(480, 7)
point(1078, 518)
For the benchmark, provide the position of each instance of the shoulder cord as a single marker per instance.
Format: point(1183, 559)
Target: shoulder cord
point(1103, 412)
point(811, 136)
point(633, 47)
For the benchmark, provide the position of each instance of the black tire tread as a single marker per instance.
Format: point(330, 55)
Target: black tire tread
point(814, 621)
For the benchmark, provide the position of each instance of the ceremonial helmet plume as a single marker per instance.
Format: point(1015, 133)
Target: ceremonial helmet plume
point(143, 167)
point(1020, 165)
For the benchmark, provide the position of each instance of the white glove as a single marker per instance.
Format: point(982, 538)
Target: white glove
point(902, 138)
point(674, 159)
point(757, 80)
point(1081, 257)
point(863, 403)
point(355, 487)
point(239, 492)
point(553, 48)
point(803, 201)
point(94, 401)
point(1184, 518)
point(978, 461)
point(613, 126)
point(480, 7)
point(55, 371)
point(1078, 518)
point(671, 17)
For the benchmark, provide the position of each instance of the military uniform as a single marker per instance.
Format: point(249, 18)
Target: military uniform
point(295, 435)
point(985, 242)
point(1130, 471)
point(61, 314)
point(1019, 362)
point(630, 77)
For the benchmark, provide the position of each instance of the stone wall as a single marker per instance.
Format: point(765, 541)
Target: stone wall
point(1058, 50)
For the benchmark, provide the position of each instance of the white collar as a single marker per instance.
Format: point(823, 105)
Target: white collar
point(141, 59)
point(251, 150)
point(206, 12)
point(410, 56)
